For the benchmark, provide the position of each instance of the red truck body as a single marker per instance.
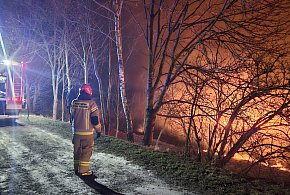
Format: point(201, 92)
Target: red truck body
point(11, 90)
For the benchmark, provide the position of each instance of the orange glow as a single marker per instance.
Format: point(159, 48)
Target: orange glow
point(277, 164)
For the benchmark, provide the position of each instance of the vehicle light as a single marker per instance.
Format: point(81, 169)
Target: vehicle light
point(17, 100)
point(10, 63)
point(23, 65)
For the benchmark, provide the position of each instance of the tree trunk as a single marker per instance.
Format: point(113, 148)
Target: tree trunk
point(54, 107)
point(101, 95)
point(150, 118)
point(197, 139)
point(62, 99)
point(117, 111)
point(109, 89)
point(160, 134)
point(86, 79)
point(28, 98)
point(103, 108)
point(35, 96)
point(150, 114)
point(67, 69)
point(55, 95)
point(118, 9)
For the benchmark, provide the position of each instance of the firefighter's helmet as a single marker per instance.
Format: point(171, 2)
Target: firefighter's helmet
point(86, 88)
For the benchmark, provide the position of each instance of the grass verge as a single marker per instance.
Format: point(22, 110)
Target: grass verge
point(173, 169)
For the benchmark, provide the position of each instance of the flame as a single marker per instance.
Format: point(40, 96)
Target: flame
point(277, 164)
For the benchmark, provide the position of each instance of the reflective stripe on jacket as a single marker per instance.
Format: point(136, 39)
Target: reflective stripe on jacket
point(82, 111)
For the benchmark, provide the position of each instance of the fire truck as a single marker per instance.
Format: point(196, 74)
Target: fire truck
point(11, 89)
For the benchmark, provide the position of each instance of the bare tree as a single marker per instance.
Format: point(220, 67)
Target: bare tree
point(53, 46)
point(178, 33)
point(116, 12)
point(118, 4)
point(169, 47)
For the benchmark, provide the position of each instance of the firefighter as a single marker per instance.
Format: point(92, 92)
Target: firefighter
point(85, 121)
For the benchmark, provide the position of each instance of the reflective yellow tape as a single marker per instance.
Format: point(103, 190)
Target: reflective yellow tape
point(84, 133)
point(85, 162)
point(94, 109)
point(87, 120)
point(80, 105)
point(82, 165)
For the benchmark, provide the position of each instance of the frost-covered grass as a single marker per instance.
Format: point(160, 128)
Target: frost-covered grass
point(188, 174)
point(172, 168)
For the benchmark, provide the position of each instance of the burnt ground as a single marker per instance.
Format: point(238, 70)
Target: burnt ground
point(35, 160)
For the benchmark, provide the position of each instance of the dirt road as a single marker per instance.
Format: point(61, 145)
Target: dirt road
point(37, 161)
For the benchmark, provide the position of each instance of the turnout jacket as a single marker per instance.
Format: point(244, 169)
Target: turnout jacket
point(84, 115)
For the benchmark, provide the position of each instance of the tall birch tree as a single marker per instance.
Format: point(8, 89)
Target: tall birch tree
point(118, 4)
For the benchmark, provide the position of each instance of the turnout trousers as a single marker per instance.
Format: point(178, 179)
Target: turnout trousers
point(83, 149)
